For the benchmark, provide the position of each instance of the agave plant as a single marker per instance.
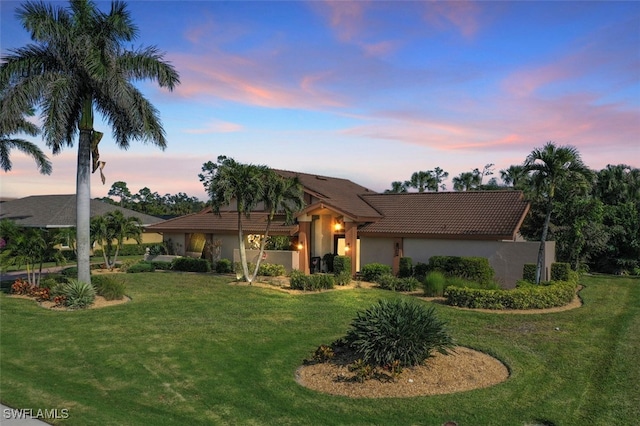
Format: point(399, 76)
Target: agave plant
point(79, 295)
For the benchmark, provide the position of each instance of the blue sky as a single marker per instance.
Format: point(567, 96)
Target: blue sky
point(369, 91)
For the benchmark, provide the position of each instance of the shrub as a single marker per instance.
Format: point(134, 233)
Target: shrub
point(420, 271)
point(529, 272)
point(71, 271)
point(471, 268)
point(224, 266)
point(323, 353)
point(407, 284)
point(161, 265)
point(328, 260)
point(433, 284)
point(560, 271)
point(189, 264)
point(299, 281)
point(78, 294)
point(400, 330)
point(141, 267)
point(108, 286)
point(271, 270)
point(406, 267)
point(342, 269)
point(372, 271)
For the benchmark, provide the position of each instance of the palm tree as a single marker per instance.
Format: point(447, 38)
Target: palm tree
point(79, 64)
point(466, 181)
point(11, 125)
point(550, 167)
point(397, 187)
point(281, 196)
point(420, 181)
point(114, 227)
point(513, 176)
point(439, 175)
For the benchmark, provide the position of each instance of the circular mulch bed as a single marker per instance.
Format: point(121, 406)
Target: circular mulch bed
point(465, 369)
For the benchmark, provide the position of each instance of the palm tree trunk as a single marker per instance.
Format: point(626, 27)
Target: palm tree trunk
point(543, 239)
point(83, 209)
point(262, 244)
point(243, 253)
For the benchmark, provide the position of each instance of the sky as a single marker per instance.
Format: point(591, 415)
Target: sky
point(369, 91)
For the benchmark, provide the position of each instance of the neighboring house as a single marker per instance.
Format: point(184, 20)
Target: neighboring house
point(59, 211)
point(342, 217)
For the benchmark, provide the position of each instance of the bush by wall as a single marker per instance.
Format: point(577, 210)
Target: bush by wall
point(328, 261)
point(529, 272)
point(161, 265)
point(342, 269)
point(471, 268)
point(406, 267)
point(560, 271)
point(420, 271)
point(130, 249)
point(271, 270)
point(372, 271)
point(141, 267)
point(189, 264)
point(224, 266)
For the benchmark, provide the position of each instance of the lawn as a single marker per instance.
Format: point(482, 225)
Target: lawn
point(192, 349)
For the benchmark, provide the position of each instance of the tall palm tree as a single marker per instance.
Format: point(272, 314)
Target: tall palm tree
point(513, 176)
point(18, 124)
point(78, 64)
point(466, 181)
point(550, 167)
point(281, 196)
point(420, 180)
point(439, 175)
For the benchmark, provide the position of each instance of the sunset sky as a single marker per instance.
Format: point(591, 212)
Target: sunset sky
point(368, 91)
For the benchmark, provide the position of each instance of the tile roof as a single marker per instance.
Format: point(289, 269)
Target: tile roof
point(338, 193)
point(460, 215)
point(225, 222)
point(58, 211)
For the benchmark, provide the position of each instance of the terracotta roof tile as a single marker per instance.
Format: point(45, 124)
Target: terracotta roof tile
point(469, 215)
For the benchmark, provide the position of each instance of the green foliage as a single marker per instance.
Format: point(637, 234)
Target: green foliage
point(557, 293)
point(141, 267)
point(161, 265)
point(71, 271)
point(342, 269)
point(363, 370)
point(324, 353)
point(529, 272)
point(420, 270)
point(471, 268)
point(398, 329)
point(109, 286)
point(271, 270)
point(78, 294)
point(299, 281)
point(189, 264)
point(406, 267)
point(433, 284)
point(560, 271)
point(131, 249)
point(224, 266)
point(372, 271)
point(390, 282)
point(328, 261)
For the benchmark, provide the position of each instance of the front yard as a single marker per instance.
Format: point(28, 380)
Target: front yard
point(194, 349)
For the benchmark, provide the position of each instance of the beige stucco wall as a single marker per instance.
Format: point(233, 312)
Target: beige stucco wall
point(506, 257)
point(286, 258)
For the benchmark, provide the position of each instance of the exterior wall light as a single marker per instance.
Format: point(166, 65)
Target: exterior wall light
point(300, 246)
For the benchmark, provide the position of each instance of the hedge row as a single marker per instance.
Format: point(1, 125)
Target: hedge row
point(475, 269)
point(129, 249)
point(557, 293)
point(314, 282)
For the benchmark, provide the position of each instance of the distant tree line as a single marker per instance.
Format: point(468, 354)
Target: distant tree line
point(593, 216)
point(152, 203)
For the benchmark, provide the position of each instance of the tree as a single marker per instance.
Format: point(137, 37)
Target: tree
point(12, 125)
point(397, 187)
point(466, 181)
point(421, 181)
point(439, 175)
point(79, 64)
point(550, 167)
point(114, 227)
point(119, 189)
point(513, 176)
point(248, 185)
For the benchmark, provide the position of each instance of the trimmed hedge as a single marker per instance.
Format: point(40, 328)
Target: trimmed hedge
point(529, 272)
point(299, 281)
point(224, 266)
point(390, 282)
point(189, 264)
point(471, 268)
point(141, 267)
point(406, 267)
point(558, 293)
point(130, 249)
point(342, 269)
point(372, 271)
point(560, 271)
point(271, 270)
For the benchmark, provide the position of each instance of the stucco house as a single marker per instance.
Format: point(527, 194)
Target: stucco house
point(59, 211)
point(342, 217)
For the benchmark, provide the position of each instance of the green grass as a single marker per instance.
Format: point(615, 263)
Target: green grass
point(192, 349)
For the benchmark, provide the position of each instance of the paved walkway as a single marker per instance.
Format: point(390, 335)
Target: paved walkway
point(16, 417)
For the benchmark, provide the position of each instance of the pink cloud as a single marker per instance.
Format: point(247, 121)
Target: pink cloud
point(215, 126)
point(461, 14)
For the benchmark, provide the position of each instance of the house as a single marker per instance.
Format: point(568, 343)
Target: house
point(59, 211)
point(342, 217)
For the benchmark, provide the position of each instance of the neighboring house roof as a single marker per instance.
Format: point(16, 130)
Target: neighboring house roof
point(206, 220)
point(495, 215)
point(339, 194)
point(59, 211)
